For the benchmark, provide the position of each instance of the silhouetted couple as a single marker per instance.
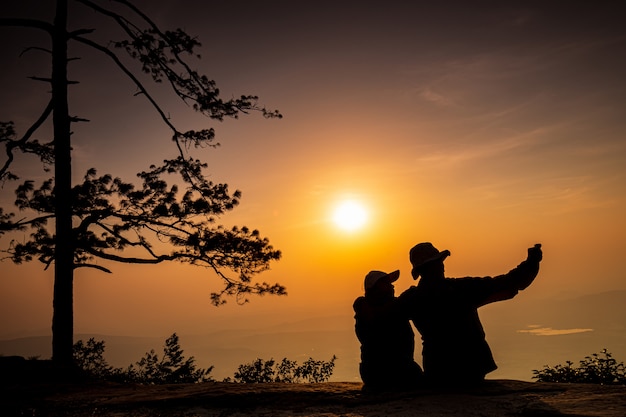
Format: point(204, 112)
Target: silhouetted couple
point(443, 310)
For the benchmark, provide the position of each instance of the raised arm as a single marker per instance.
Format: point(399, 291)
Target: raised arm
point(525, 273)
point(503, 287)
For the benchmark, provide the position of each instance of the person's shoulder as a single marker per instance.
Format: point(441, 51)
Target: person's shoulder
point(467, 279)
point(412, 290)
point(411, 294)
point(359, 303)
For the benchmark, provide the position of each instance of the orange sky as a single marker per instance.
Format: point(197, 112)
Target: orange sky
point(481, 129)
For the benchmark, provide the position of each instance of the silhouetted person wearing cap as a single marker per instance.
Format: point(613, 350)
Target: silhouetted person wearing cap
point(445, 312)
point(387, 339)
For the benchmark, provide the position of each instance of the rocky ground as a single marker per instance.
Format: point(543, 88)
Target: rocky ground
point(494, 398)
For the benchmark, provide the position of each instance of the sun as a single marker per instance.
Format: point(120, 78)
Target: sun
point(350, 215)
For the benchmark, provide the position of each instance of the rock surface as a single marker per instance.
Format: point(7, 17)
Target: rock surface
point(494, 398)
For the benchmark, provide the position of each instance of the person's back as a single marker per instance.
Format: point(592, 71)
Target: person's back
point(454, 349)
point(445, 312)
point(386, 336)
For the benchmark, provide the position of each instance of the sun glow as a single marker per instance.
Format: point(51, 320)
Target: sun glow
point(350, 215)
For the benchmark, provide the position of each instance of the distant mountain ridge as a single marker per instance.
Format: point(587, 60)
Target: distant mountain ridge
point(517, 352)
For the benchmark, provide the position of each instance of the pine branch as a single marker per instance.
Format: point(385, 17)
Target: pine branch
point(31, 23)
point(8, 132)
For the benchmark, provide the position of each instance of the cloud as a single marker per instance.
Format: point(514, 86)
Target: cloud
point(436, 98)
point(467, 150)
point(549, 331)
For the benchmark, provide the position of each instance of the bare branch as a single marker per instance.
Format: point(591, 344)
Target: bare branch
point(35, 78)
point(130, 260)
point(98, 267)
point(32, 23)
point(20, 224)
point(35, 48)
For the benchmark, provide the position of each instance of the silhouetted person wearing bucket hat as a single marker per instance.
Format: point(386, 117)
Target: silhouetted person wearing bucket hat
point(445, 312)
point(387, 339)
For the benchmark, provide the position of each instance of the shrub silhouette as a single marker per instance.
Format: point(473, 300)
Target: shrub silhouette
point(89, 357)
point(172, 368)
point(599, 368)
point(261, 371)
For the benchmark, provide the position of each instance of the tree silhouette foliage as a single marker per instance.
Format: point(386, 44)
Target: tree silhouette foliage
point(105, 218)
point(288, 371)
point(171, 368)
point(598, 368)
point(174, 368)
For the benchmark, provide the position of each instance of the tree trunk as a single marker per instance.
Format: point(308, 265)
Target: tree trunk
point(62, 305)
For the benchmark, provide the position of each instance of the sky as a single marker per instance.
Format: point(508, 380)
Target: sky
point(482, 127)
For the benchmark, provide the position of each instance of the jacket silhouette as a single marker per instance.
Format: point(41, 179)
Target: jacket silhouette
point(386, 336)
point(445, 312)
